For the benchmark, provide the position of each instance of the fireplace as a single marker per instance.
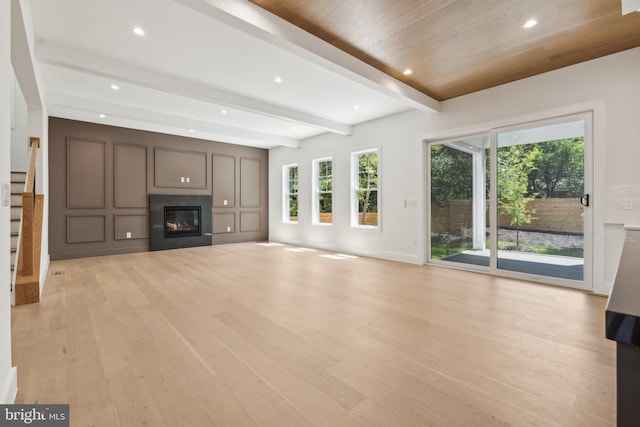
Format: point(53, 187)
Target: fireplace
point(179, 221)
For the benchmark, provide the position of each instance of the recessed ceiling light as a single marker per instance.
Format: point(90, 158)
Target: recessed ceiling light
point(278, 80)
point(115, 87)
point(356, 107)
point(407, 72)
point(138, 31)
point(102, 116)
point(530, 23)
point(191, 131)
point(223, 112)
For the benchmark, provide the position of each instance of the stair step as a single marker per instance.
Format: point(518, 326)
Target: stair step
point(16, 199)
point(17, 187)
point(15, 226)
point(18, 176)
point(13, 257)
point(14, 241)
point(16, 211)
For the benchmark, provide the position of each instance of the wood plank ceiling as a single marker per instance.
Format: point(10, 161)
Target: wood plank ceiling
point(456, 47)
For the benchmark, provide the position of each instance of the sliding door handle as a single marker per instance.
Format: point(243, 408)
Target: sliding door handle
point(584, 200)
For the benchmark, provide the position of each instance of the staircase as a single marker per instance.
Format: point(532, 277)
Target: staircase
point(18, 180)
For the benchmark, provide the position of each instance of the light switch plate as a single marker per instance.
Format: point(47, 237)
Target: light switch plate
point(128, 234)
point(182, 179)
point(6, 194)
point(188, 179)
point(225, 203)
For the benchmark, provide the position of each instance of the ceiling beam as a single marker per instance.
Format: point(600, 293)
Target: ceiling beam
point(22, 54)
point(87, 62)
point(253, 20)
point(61, 102)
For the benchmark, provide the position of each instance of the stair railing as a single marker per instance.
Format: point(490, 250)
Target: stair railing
point(27, 235)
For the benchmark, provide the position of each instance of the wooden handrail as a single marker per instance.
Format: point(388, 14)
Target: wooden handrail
point(31, 172)
point(27, 243)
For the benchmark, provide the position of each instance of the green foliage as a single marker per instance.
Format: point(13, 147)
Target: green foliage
point(514, 167)
point(559, 169)
point(293, 191)
point(451, 176)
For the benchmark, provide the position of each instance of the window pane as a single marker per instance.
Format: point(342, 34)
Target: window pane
point(368, 207)
point(325, 208)
point(366, 191)
point(293, 173)
point(293, 208)
point(328, 167)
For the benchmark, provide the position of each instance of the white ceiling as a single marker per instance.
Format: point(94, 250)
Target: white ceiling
point(198, 58)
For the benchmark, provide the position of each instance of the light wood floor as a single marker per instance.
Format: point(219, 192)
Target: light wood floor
point(251, 335)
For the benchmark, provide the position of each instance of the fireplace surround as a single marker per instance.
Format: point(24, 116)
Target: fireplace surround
point(179, 221)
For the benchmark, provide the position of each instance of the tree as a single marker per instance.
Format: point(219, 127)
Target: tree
point(559, 169)
point(451, 176)
point(514, 166)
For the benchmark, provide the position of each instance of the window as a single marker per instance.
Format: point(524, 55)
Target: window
point(290, 193)
point(365, 195)
point(323, 191)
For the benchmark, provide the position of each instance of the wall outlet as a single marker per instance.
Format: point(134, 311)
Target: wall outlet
point(182, 179)
point(228, 229)
point(128, 234)
point(188, 179)
point(226, 202)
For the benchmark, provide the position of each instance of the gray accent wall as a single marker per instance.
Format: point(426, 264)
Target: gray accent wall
point(100, 178)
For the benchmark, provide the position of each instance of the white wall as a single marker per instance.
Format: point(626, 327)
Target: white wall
point(395, 138)
point(31, 87)
point(610, 86)
point(8, 378)
point(19, 134)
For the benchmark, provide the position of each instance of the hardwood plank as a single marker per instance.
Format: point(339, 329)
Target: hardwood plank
point(250, 335)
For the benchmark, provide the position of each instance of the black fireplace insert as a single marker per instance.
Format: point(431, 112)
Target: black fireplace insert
point(179, 221)
point(182, 221)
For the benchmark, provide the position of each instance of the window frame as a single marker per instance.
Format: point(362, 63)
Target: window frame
point(355, 189)
point(286, 194)
point(315, 218)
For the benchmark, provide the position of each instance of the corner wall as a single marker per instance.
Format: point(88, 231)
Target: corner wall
point(608, 85)
point(8, 374)
point(395, 138)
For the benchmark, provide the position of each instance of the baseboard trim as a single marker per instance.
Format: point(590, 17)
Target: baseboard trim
point(10, 387)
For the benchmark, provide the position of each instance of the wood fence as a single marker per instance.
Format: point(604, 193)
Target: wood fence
point(552, 215)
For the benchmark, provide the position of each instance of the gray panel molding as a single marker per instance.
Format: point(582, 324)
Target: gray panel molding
point(132, 194)
point(250, 177)
point(138, 225)
point(222, 220)
point(182, 167)
point(223, 180)
point(249, 221)
point(87, 171)
point(86, 228)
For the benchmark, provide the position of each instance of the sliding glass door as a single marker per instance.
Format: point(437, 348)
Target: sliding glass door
point(515, 201)
point(458, 211)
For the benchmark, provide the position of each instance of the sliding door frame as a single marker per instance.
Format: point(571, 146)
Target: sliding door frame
point(589, 188)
